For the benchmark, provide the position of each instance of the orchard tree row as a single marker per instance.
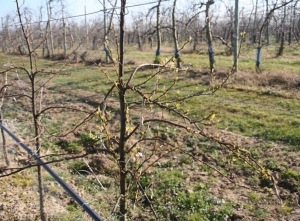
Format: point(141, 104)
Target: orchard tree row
point(55, 29)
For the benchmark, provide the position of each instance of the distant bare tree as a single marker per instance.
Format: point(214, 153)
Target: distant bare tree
point(108, 28)
point(176, 49)
point(158, 34)
point(49, 32)
point(64, 28)
point(262, 28)
point(294, 27)
point(209, 37)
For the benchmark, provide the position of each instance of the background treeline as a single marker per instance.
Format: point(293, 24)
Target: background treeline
point(57, 30)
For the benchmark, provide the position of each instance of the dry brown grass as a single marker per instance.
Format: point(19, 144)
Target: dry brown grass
point(282, 80)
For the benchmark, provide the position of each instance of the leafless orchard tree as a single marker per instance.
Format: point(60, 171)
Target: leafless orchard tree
point(35, 80)
point(295, 30)
point(158, 33)
point(32, 73)
point(3, 98)
point(49, 31)
point(135, 147)
point(175, 36)
point(209, 36)
point(262, 29)
point(108, 25)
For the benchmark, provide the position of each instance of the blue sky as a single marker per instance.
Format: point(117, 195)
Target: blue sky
point(72, 6)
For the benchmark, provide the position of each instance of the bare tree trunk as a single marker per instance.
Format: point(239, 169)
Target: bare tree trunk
point(254, 24)
point(7, 162)
point(280, 51)
point(3, 36)
point(50, 29)
point(122, 99)
point(290, 35)
point(29, 29)
point(47, 42)
point(294, 19)
point(105, 33)
point(71, 38)
point(1, 121)
point(209, 36)
point(94, 43)
point(107, 30)
point(176, 50)
point(158, 33)
point(230, 31)
point(86, 31)
point(64, 29)
point(8, 36)
point(236, 36)
point(267, 25)
point(195, 40)
point(139, 38)
point(41, 35)
point(31, 74)
point(150, 40)
point(282, 39)
point(128, 38)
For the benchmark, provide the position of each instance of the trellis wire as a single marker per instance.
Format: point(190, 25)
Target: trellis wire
point(71, 192)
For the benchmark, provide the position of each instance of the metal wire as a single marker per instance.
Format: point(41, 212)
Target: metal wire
point(71, 192)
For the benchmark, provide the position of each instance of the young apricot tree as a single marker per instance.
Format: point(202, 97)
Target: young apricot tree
point(139, 138)
point(209, 36)
point(31, 96)
point(262, 29)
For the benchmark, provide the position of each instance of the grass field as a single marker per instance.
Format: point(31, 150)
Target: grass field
point(257, 111)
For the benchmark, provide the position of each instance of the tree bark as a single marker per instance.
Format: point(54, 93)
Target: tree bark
point(64, 29)
point(254, 24)
point(139, 38)
point(32, 75)
point(176, 50)
point(108, 55)
point(209, 36)
point(236, 35)
point(50, 29)
point(280, 51)
point(158, 33)
point(122, 100)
